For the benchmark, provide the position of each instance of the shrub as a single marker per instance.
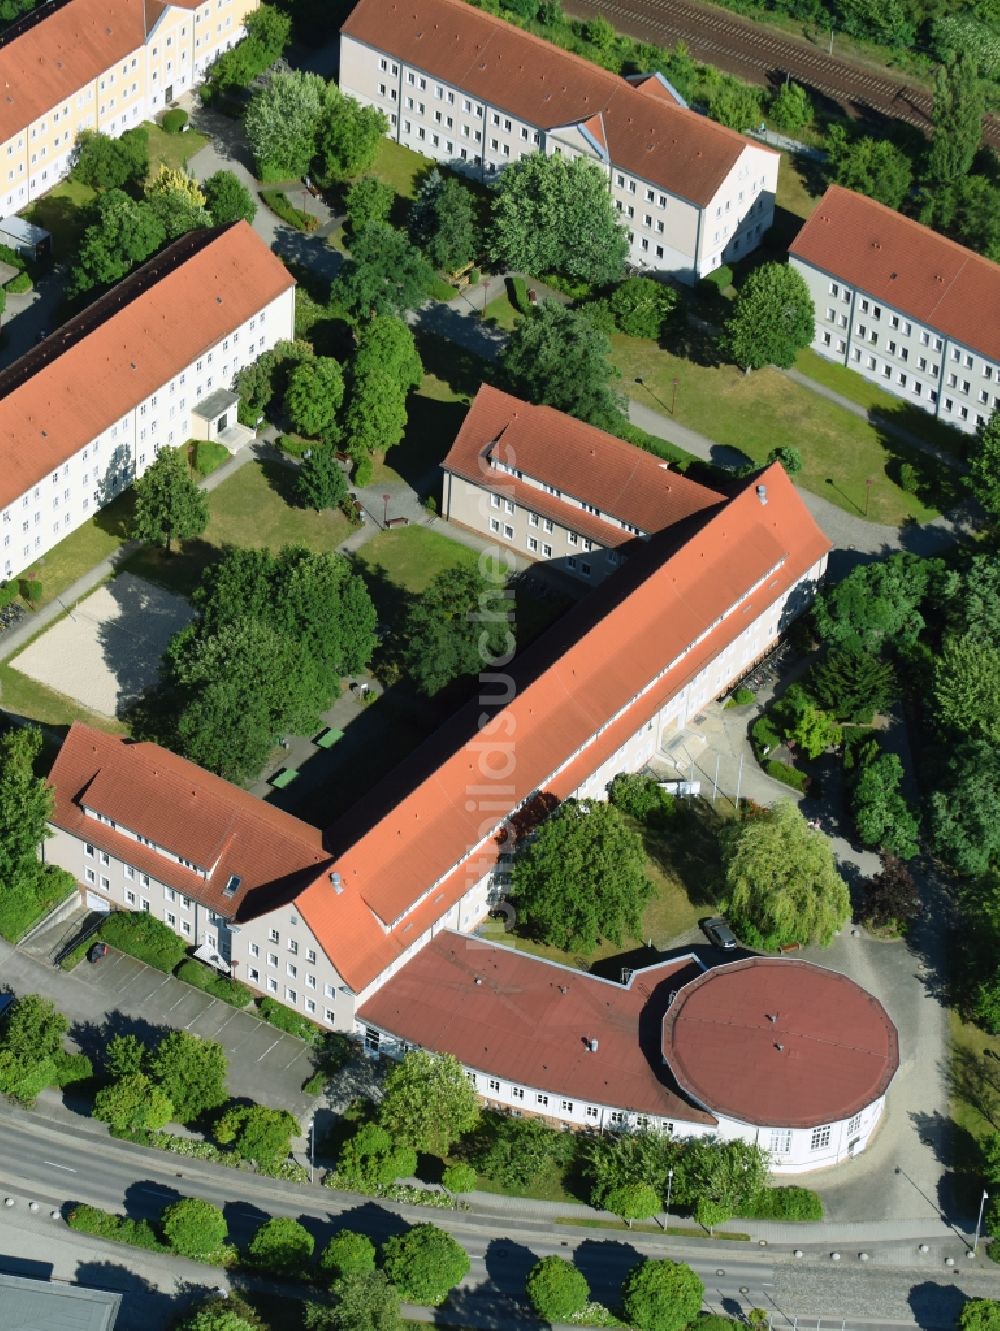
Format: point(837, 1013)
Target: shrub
point(764, 736)
point(9, 591)
point(71, 1068)
point(219, 986)
point(640, 797)
point(909, 477)
point(207, 456)
point(517, 294)
point(174, 121)
point(459, 1178)
point(788, 776)
point(785, 1203)
point(143, 936)
point(106, 1225)
point(475, 276)
point(364, 473)
point(194, 1227)
point(288, 1021)
point(282, 1245)
point(347, 1254)
point(557, 1290)
point(280, 204)
point(17, 285)
point(742, 697)
point(31, 590)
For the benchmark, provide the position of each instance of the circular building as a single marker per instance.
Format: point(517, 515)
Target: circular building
point(784, 1053)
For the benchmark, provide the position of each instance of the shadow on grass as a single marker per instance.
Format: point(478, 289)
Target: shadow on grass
point(430, 431)
point(461, 370)
point(282, 480)
point(178, 572)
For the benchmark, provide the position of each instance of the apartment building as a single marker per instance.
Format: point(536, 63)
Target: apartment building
point(430, 848)
point(554, 489)
point(906, 308)
point(97, 64)
point(473, 91)
point(86, 411)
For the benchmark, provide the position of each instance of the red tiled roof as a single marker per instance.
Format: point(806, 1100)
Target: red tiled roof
point(188, 811)
point(583, 462)
point(914, 270)
point(50, 415)
point(423, 837)
point(830, 1051)
point(528, 1020)
point(45, 61)
point(545, 86)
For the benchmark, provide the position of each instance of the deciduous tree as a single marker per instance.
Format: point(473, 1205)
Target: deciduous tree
point(347, 1254)
point(642, 306)
point(366, 1302)
point(425, 1264)
point(875, 167)
point(192, 1072)
point(385, 274)
point(891, 899)
point(782, 882)
point(429, 1102)
point(105, 163)
point(980, 1315)
point(661, 1295)
point(881, 814)
point(773, 318)
point(348, 135)
point(513, 1151)
point(194, 1227)
point(959, 104)
point(26, 802)
point(120, 234)
point(729, 1175)
point(31, 1036)
point(133, 1103)
point(878, 604)
point(555, 214)
point(368, 200)
point(735, 103)
point(456, 627)
point(556, 357)
point(792, 109)
point(984, 465)
point(314, 395)
point(443, 222)
point(370, 1159)
point(226, 197)
point(282, 120)
point(632, 1201)
point(556, 1289)
point(168, 504)
point(963, 824)
point(220, 1315)
point(386, 367)
point(582, 877)
point(967, 687)
point(320, 481)
point(282, 1245)
point(256, 1132)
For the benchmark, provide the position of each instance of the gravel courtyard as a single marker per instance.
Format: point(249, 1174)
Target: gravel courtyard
point(107, 650)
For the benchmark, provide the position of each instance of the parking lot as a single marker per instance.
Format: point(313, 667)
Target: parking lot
point(122, 994)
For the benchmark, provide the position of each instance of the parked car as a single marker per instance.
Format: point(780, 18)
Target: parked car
point(5, 1002)
point(98, 951)
point(717, 931)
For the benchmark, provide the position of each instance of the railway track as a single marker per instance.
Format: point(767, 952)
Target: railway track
point(742, 47)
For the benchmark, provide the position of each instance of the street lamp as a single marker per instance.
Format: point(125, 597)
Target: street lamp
point(385, 510)
point(670, 1184)
point(312, 1159)
point(673, 397)
point(979, 1222)
point(869, 482)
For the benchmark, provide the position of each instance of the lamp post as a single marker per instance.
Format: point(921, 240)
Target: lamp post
point(385, 510)
point(979, 1222)
point(670, 1184)
point(312, 1161)
point(673, 396)
point(869, 482)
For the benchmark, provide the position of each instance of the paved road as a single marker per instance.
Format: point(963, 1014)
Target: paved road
point(53, 1167)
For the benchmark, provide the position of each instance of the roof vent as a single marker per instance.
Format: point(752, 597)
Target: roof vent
point(762, 494)
point(338, 886)
point(772, 1016)
point(893, 276)
point(478, 979)
point(132, 363)
point(779, 1047)
point(593, 1045)
point(564, 989)
point(233, 886)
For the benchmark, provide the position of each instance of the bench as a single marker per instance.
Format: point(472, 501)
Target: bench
point(398, 522)
point(789, 947)
point(284, 778)
point(327, 738)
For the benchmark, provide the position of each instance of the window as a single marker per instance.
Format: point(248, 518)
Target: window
point(254, 950)
point(532, 519)
point(820, 1138)
point(310, 981)
point(89, 850)
point(494, 524)
point(547, 551)
point(329, 1015)
point(129, 871)
point(371, 1039)
point(311, 954)
point(494, 1084)
point(130, 898)
point(185, 925)
point(293, 970)
point(781, 1141)
point(272, 960)
point(91, 876)
point(617, 1116)
point(517, 1092)
point(105, 857)
point(592, 1111)
point(272, 984)
point(508, 533)
point(567, 1106)
point(291, 995)
point(310, 1005)
point(854, 1124)
point(541, 1099)
point(171, 919)
point(272, 936)
point(293, 947)
point(533, 544)
point(253, 975)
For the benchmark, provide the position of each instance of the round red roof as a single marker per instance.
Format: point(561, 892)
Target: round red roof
point(779, 1043)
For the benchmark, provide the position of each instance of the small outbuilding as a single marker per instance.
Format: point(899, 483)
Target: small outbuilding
point(24, 238)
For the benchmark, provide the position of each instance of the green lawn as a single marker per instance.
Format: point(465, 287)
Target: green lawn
point(757, 412)
point(61, 211)
point(975, 1096)
point(171, 149)
point(399, 167)
point(98, 538)
point(796, 187)
point(25, 697)
point(410, 558)
point(254, 508)
point(435, 413)
point(501, 312)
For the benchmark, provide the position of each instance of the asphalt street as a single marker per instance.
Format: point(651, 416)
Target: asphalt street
point(56, 1167)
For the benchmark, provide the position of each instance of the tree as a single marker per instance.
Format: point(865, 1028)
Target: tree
point(133, 1104)
point(641, 306)
point(963, 824)
point(891, 899)
point(513, 1151)
point(282, 1245)
point(369, 200)
point(447, 633)
point(31, 1036)
point(792, 110)
point(124, 1056)
point(120, 234)
point(773, 318)
point(881, 814)
point(371, 1159)
point(554, 356)
point(727, 1176)
point(632, 1201)
point(282, 119)
point(974, 609)
point(320, 481)
point(176, 212)
point(874, 167)
point(386, 367)
point(168, 504)
point(267, 35)
point(459, 1178)
point(192, 1072)
point(26, 803)
point(878, 604)
point(266, 377)
point(624, 1160)
point(347, 1254)
point(959, 104)
point(221, 1315)
point(983, 478)
point(443, 222)
point(556, 1289)
point(428, 1102)
point(804, 724)
point(175, 180)
point(789, 457)
point(385, 274)
point(424, 1264)
point(584, 841)
point(104, 163)
point(661, 1295)
point(735, 104)
point(980, 1315)
point(555, 214)
point(226, 197)
point(974, 207)
point(967, 687)
point(256, 1132)
point(348, 135)
point(852, 685)
point(314, 396)
point(366, 1302)
point(194, 1227)
point(782, 883)
point(641, 797)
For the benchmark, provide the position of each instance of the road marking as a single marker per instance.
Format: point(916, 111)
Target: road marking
point(268, 1049)
point(198, 1015)
point(294, 1059)
point(54, 1165)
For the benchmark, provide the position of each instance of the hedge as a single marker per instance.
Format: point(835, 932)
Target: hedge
point(517, 294)
point(788, 776)
point(282, 207)
point(786, 1203)
point(209, 982)
point(107, 1225)
point(143, 936)
point(207, 456)
point(17, 285)
point(9, 591)
point(71, 1068)
point(288, 1021)
point(174, 121)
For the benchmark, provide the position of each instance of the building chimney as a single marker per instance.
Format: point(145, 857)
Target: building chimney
point(592, 1045)
point(779, 1047)
point(338, 886)
point(762, 494)
point(772, 1016)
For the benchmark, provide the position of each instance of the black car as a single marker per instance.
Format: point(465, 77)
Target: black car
point(98, 952)
point(717, 931)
